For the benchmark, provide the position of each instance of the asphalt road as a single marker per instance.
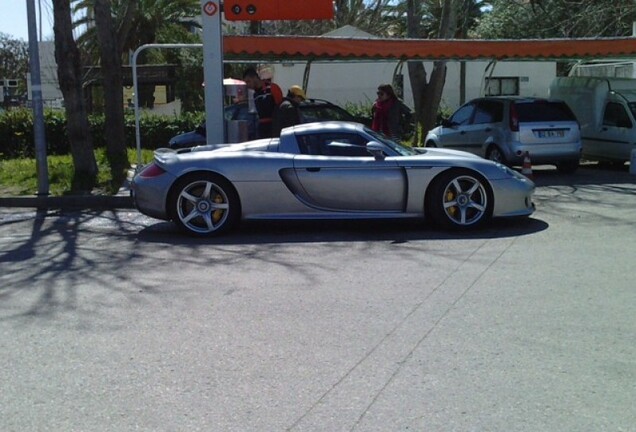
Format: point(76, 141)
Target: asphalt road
point(111, 321)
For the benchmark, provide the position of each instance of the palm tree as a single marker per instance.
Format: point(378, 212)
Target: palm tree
point(67, 56)
point(151, 21)
point(373, 16)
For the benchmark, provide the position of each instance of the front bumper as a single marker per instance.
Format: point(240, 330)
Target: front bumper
point(513, 197)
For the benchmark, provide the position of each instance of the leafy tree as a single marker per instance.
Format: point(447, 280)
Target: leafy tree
point(110, 56)
point(516, 19)
point(438, 19)
point(67, 56)
point(151, 21)
point(14, 59)
point(373, 16)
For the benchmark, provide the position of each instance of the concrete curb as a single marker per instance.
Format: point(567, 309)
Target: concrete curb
point(75, 202)
point(122, 200)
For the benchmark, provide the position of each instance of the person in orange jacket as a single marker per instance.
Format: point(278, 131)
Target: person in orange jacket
point(267, 97)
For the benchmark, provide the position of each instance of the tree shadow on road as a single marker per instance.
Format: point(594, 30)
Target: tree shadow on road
point(46, 273)
point(593, 195)
point(587, 174)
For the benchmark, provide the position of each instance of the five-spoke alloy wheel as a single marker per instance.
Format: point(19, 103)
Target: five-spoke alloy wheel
point(460, 199)
point(204, 204)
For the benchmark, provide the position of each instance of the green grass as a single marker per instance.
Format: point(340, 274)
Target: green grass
point(19, 176)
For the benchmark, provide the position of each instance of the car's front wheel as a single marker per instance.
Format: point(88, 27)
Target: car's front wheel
point(204, 204)
point(460, 199)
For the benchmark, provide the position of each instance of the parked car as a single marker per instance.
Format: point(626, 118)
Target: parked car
point(312, 110)
point(327, 170)
point(502, 129)
point(606, 110)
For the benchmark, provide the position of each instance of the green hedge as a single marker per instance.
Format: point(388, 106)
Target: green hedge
point(16, 131)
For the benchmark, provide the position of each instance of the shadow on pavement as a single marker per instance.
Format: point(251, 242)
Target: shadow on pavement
point(281, 232)
point(587, 174)
point(48, 271)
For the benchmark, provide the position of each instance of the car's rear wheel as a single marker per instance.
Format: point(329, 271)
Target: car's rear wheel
point(460, 199)
point(495, 154)
point(204, 204)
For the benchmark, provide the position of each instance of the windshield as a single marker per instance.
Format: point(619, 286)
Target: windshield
point(396, 147)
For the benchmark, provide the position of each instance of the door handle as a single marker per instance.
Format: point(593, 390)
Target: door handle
point(313, 169)
point(462, 133)
point(487, 129)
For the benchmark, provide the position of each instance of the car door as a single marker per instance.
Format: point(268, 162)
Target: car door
point(485, 126)
point(337, 173)
point(455, 132)
point(614, 139)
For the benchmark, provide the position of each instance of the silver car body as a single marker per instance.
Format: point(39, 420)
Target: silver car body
point(280, 178)
point(484, 124)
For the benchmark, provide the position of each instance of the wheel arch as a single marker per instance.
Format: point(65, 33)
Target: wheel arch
point(194, 174)
point(459, 170)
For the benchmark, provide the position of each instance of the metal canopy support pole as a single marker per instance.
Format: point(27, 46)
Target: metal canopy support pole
point(484, 86)
point(306, 75)
point(213, 70)
point(42, 168)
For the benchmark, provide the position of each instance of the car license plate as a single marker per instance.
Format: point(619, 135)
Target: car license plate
point(550, 133)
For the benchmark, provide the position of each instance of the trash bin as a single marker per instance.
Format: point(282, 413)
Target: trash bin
point(237, 131)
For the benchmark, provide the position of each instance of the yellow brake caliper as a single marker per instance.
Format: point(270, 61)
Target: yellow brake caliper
point(218, 214)
point(450, 196)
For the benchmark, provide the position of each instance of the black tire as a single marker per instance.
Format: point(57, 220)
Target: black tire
point(568, 167)
point(430, 144)
point(495, 154)
point(459, 199)
point(204, 204)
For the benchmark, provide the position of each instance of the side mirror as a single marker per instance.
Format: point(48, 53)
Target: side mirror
point(447, 123)
point(376, 149)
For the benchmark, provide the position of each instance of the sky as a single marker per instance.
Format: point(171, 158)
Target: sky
point(13, 18)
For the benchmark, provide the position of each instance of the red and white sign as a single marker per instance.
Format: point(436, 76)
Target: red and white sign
point(210, 8)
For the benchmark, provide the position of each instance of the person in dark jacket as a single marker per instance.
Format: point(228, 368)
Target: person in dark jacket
point(288, 113)
point(388, 112)
point(267, 98)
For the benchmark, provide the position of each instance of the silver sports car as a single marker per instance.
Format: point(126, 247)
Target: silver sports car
point(329, 170)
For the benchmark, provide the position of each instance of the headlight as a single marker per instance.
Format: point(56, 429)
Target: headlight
point(511, 172)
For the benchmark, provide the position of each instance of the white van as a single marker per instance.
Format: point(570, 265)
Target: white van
point(606, 111)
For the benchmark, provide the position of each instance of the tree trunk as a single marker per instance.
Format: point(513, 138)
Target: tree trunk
point(67, 56)
point(427, 95)
point(113, 92)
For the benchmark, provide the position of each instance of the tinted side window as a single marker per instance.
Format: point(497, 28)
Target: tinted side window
point(333, 144)
point(462, 115)
point(488, 112)
point(615, 115)
point(544, 111)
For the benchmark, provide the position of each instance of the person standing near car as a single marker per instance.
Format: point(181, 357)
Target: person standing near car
point(388, 112)
point(288, 112)
point(267, 97)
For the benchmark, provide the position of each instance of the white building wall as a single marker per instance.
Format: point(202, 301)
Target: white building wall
point(356, 82)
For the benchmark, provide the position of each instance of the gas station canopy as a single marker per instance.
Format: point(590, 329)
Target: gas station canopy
point(339, 48)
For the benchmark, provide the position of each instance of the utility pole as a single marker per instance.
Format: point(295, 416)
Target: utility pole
point(36, 99)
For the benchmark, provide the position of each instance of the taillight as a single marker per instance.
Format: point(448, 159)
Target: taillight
point(514, 118)
point(152, 170)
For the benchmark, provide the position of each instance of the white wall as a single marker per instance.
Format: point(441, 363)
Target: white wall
point(341, 82)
